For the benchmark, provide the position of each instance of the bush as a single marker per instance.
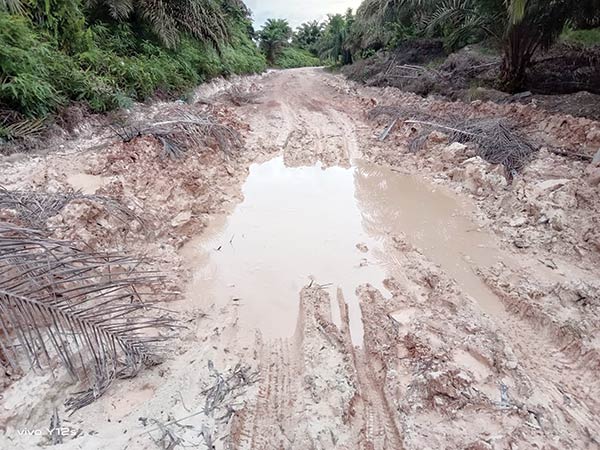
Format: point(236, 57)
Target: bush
point(112, 67)
point(291, 57)
point(242, 56)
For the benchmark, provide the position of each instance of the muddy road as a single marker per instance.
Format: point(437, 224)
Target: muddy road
point(339, 291)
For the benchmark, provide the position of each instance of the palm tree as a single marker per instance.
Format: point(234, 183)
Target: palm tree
point(334, 42)
point(520, 26)
point(273, 37)
point(12, 6)
point(206, 20)
point(307, 36)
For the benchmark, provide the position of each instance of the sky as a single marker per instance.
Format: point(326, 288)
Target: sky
point(297, 11)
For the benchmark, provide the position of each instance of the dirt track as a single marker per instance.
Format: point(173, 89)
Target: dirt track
point(465, 340)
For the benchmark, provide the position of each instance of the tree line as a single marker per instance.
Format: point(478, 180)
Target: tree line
point(519, 28)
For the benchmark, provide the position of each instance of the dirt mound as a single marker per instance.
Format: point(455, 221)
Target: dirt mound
point(380, 69)
point(565, 69)
point(566, 79)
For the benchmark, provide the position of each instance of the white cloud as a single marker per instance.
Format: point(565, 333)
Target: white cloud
point(297, 12)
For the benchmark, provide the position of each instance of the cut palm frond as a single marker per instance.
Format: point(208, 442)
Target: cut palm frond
point(497, 140)
point(34, 208)
point(181, 130)
point(239, 96)
point(22, 129)
point(82, 310)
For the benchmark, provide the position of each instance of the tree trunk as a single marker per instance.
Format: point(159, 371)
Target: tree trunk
point(520, 44)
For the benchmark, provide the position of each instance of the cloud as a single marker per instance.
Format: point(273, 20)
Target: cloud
point(297, 12)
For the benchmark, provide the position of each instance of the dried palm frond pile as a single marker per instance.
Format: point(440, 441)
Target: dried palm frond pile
point(240, 96)
point(497, 140)
point(180, 129)
point(14, 125)
point(34, 208)
point(85, 311)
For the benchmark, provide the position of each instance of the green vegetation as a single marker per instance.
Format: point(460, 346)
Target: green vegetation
point(110, 53)
point(291, 57)
point(587, 38)
point(333, 45)
point(307, 37)
point(312, 43)
point(274, 37)
point(518, 27)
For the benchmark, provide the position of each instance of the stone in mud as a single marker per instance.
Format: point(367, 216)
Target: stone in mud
point(551, 184)
point(593, 175)
point(479, 177)
point(181, 219)
point(362, 247)
point(518, 221)
point(453, 151)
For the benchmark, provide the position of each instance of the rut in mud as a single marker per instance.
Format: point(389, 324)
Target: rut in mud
point(367, 302)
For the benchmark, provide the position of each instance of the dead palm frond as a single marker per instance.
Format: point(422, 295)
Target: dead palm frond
point(34, 208)
point(497, 140)
point(22, 129)
point(83, 310)
point(240, 96)
point(181, 130)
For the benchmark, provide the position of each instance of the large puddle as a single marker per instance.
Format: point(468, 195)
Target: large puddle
point(308, 223)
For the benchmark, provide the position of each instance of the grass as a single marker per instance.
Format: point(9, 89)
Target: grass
point(587, 38)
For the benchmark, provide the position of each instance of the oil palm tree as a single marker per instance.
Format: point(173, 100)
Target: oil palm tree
point(273, 37)
point(334, 43)
point(206, 20)
point(308, 35)
point(520, 26)
point(12, 6)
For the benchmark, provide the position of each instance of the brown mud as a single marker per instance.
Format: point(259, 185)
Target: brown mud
point(370, 297)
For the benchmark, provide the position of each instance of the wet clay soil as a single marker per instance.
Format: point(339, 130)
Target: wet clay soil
point(336, 291)
point(329, 226)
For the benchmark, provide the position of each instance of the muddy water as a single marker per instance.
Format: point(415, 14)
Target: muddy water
point(86, 183)
point(432, 220)
point(328, 226)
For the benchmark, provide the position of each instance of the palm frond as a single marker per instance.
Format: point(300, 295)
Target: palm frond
point(12, 6)
point(498, 141)
point(207, 20)
point(34, 208)
point(83, 310)
point(516, 10)
point(180, 129)
point(22, 128)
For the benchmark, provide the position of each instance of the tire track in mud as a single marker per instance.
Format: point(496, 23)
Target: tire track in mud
point(294, 408)
point(305, 128)
point(382, 404)
point(316, 391)
point(432, 368)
